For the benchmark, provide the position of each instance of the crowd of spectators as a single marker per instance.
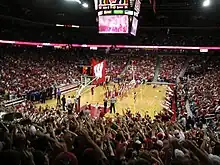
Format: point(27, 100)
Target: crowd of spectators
point(24, 70)
point(170, 67)
point(51, 136)
point(200, 88)
point(31, 135)
point(141, 67)
point(204, 87)
point(116, 64)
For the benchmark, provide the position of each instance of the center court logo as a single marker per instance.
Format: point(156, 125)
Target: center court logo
point(98, 70)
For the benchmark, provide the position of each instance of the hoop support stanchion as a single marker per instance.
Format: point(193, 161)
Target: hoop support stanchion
point(79, 92)
point(90, 82)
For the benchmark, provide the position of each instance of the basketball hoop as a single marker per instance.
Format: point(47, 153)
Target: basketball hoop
point(86, 81)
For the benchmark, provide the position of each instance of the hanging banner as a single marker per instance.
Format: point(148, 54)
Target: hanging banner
point(99, 71)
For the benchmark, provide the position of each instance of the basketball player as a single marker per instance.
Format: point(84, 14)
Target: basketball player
point(135, 96)
point(92, 90)
point(112, 94)
point(105, 95)
point(109, 93)
point(104, 85)
point(119, 92)
point(116, 92)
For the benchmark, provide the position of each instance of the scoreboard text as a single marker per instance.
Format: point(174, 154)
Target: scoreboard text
point(113, 4)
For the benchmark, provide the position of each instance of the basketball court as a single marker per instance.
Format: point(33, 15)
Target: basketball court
point(148, 99)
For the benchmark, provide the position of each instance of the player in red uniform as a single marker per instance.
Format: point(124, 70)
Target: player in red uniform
point(104, 85)
point(111, 93)
point(116, 92)
point(92, 90)
point(106, 95)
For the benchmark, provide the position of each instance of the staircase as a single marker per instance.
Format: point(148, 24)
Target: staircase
point(189, 112)
point(157, 69)
point(206, 62)
point(126, 68)
point(187, 105)
point(183, 71)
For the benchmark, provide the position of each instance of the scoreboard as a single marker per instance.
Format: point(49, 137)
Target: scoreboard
point(118, 16)
point(113, 4)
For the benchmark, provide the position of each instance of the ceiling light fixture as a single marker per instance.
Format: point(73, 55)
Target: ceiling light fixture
point(206, 3)
point(78, 1)
point(85, 5)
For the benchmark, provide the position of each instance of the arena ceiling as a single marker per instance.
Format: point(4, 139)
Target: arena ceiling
point(169, 12)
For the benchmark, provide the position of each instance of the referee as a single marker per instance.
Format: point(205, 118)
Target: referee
point(112, 104)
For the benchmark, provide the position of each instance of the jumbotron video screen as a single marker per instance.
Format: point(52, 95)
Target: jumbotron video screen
point(113, 24)
point(117, 16)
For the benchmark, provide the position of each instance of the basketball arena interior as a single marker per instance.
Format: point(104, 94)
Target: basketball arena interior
point(109, 82)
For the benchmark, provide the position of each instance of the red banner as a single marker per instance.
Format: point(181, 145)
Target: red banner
point(93, 63)
point(98, 70)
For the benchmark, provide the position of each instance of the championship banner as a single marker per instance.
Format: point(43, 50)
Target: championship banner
point(98, 69)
